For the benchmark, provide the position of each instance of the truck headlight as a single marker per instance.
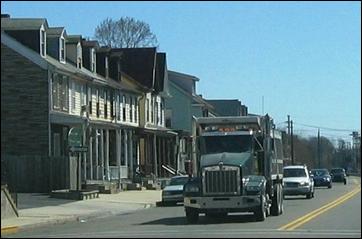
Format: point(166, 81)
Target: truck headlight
point(191, 188)
point(304, 183)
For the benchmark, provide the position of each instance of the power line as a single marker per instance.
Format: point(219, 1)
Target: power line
point(326, 128)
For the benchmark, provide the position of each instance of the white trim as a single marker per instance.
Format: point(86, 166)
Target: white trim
point(24, 51)
point(60, 49)
point(41, 40)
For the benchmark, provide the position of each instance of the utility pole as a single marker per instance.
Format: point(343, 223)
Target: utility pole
point(291, 142)
point(288, 135)
point(319, 149)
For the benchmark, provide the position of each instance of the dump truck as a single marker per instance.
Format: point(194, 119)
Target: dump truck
point(238, 167)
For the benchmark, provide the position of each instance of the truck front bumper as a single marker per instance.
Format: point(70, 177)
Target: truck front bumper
point(229, 204)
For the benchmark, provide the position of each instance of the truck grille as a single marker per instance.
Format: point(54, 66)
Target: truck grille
point(223, 180)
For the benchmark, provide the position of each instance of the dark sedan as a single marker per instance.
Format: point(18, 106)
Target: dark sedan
point(339, 175)
point(322, 177)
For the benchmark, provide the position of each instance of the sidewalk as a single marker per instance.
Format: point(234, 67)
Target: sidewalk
point(40, 210)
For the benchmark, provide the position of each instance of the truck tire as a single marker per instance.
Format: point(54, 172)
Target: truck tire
point(309, 195)
point(260, 211)
point(192, 215)
point(277, 201)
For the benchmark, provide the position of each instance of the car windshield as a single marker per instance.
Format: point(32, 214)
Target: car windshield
point(179, 181)
point(294, 172)
point(319, 172)
point(337, 170)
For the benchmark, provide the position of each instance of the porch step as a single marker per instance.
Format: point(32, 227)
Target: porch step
point(102, 187)
point(74, 194)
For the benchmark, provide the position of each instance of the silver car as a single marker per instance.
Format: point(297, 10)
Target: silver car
point(297, 181)
point(173, 193)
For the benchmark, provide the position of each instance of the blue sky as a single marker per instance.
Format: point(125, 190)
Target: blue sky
point(303, 58)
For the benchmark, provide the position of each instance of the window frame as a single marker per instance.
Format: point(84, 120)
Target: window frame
point(62, 55)
point(42, 43)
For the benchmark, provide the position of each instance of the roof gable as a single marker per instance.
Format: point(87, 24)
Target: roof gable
point(139, 63)
point(23, 23)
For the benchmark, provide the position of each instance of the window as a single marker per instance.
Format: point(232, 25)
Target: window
point(136, 110)
point(93, 59)
point(152, 106)
point(62, 49)
point(90, 99)
point(72, 91)
point(162, 112)
point(79, 56)
point(98, 98)
point(156, 113)
point(106, 95)
point(124, 107)
point(112, 105)
point(106, 66)
point(168, 115)
point(42, 42)
point(65, 94)
point(147, 110)
point(56, 91)
point(130, 109)
point(118, 107)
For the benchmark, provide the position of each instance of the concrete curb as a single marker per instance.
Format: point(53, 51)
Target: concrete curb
point(9, 230)
point(14, 229)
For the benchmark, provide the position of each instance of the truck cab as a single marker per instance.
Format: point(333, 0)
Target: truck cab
point(237, 168)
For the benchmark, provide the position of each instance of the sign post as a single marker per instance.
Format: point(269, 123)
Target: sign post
point(75, 143)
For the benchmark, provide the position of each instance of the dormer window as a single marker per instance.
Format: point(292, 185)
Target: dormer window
point(42, 42)
point(79, 56)
point(62, 49)
point(93, 60)
point(106, 66)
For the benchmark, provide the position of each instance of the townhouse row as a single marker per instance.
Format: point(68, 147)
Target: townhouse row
point(133, 114)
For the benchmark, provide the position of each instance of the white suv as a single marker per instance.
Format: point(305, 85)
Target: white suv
point(297, 181)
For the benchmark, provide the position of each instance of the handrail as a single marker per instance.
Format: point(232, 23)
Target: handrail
point(10, 199)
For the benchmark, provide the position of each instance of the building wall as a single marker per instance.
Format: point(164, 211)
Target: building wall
point(179, 106)
point(24, 98)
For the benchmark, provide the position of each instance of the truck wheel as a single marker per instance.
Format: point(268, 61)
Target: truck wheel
point(309, 195)
point(260, 212)
point(277, 201)
point(192, 215)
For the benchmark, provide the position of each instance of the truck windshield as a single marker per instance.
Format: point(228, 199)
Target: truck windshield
point(228, 143)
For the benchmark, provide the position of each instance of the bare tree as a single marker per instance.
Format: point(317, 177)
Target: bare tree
point(125, 33)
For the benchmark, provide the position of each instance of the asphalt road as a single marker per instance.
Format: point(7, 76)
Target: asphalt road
point(332, 213)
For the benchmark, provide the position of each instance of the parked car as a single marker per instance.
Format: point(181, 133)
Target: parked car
point(321, 177)
point(297, 181)
point(173, 193)
point(339, 175)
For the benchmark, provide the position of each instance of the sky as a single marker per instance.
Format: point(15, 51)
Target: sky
point(301, 59)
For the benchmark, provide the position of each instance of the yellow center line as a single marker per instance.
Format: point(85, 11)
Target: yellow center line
point(302, 220)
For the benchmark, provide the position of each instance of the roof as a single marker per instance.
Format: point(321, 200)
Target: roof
point(55, 31)
point(23, 23)
point(74, 38)
point(183, 75)
point(67, 68)
point(90, 43)
point(139, 63)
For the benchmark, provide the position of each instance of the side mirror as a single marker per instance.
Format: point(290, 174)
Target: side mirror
point(311, 175)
